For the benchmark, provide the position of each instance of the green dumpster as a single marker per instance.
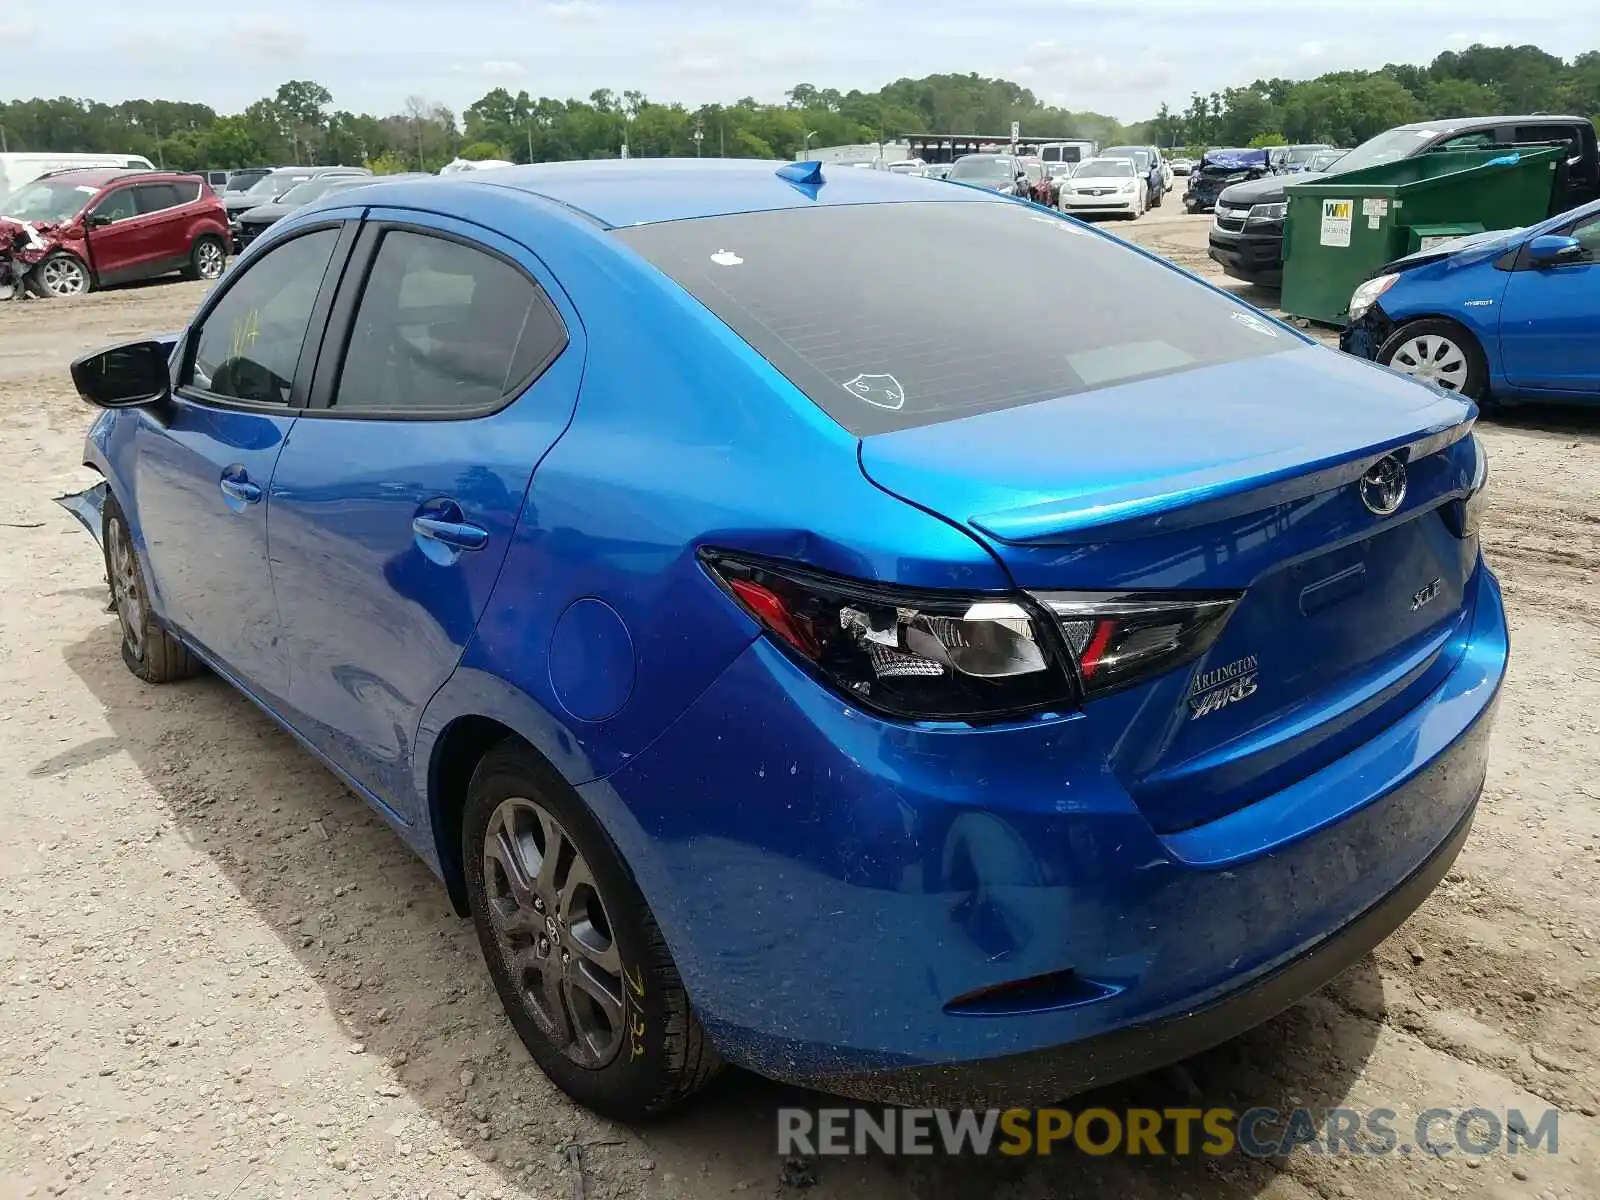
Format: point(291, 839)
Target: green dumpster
point(1338, 231)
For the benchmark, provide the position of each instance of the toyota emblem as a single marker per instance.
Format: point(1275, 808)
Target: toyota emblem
point(1383, 487)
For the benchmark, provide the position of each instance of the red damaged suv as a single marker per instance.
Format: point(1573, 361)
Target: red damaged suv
point(96, 226)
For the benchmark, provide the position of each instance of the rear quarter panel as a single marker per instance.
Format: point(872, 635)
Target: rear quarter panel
point(682, 437)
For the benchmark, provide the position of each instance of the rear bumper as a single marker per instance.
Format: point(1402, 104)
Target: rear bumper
point(829, 883)
point(1250, 256)
point(1060, 1072)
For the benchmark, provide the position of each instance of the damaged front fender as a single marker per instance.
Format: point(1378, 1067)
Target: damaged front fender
point(89, 507)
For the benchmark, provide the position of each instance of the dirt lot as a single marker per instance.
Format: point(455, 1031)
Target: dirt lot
point(220, 977)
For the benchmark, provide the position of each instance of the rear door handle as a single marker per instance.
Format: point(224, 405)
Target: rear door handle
point(236, 485)
point(458, 535)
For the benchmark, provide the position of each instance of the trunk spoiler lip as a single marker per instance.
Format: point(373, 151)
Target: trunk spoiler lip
point(1184, 502)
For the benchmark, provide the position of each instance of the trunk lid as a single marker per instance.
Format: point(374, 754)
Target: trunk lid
point(1241, 477)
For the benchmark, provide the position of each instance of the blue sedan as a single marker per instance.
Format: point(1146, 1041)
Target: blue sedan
point(1500, 317)
point(791, 644)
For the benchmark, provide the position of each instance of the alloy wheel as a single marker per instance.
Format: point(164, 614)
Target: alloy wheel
point(63, 276)
point(1434, 358)
point(125, 586)
point(209, 260)
point(553, 932)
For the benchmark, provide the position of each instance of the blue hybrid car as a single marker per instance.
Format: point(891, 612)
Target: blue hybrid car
point(1500, 317)
point(796, 647)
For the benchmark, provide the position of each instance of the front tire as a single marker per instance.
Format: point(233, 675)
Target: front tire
point(207, 258)
point(1439, 351)
point(59, 276)
point(149, 651)
point(573, 949)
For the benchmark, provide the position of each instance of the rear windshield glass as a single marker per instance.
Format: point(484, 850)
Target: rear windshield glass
point(890, 316)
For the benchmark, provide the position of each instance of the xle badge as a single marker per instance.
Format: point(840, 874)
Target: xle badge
point(1422, 595)
point(1213, 690)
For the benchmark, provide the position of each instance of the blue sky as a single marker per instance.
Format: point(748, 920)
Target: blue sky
point(1122, 57)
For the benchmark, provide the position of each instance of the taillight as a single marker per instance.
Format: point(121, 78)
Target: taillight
point(1467, 515)
point(1121, 638)
point(925, 655)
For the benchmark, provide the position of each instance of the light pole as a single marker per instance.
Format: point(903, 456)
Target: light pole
point(805, 147)
point(4, 149)
point(699, 136)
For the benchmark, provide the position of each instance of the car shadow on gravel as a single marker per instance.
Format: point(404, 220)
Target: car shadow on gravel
point(369, 924)
point(1552, 420)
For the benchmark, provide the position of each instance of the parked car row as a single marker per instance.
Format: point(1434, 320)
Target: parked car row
point(1120, 180)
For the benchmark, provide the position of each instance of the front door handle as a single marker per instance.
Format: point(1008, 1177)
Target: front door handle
point(457, 534)
point(236, 485)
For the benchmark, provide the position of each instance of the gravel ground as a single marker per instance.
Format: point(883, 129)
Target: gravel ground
point(221, 977)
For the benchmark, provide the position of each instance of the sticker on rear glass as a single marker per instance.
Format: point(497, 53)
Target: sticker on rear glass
point(881, 391)
point(1337, 217)
point(1258, 324)
point(726, 258)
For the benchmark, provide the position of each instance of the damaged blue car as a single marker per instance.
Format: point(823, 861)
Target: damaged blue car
point(1500, 317)
point(796, 649)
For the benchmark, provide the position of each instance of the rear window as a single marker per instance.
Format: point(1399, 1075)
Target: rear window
point(890, 316)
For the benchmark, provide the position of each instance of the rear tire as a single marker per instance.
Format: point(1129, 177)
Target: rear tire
point(149, 651)
point(1440, 351)
point(207, 258)
point(574, 951)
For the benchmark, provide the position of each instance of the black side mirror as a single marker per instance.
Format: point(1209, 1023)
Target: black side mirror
point(98, 220)
point(126, 376)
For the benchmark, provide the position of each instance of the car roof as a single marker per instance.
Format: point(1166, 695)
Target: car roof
point(1445, 124)
point(635, 191)
point(101, 176)
point(318, 171)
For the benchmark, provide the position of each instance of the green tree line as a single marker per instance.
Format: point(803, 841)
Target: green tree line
point(300, 123)
point(1347, 107)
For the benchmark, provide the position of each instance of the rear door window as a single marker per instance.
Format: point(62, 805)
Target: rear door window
point(444, 330)
point(157, 197)
point(890, 316)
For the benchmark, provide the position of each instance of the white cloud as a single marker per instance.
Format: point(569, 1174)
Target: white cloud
point(1106, 55)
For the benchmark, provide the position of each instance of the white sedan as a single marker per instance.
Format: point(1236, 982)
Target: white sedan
point(1105, 185)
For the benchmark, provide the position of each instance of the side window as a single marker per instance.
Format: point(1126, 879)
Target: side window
point(444, 329)
point(1482, 139)
point(117, 206)
point(250, 342)
point(1548, 133)
point(153, 197)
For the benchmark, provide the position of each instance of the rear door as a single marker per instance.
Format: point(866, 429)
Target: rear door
point(451, 368)
point(1550, 319)
point(205, 461)
point(166, 236)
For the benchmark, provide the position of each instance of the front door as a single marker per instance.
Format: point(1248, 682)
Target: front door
point(205, 461)
point(1550, 320)
point(115, 235)
point(396, 497)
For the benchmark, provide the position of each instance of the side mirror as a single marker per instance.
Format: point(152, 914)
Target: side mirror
point(98, 220)
point(1553, 249)
point(127, 376)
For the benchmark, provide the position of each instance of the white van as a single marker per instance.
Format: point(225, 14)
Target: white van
point(18, 169)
